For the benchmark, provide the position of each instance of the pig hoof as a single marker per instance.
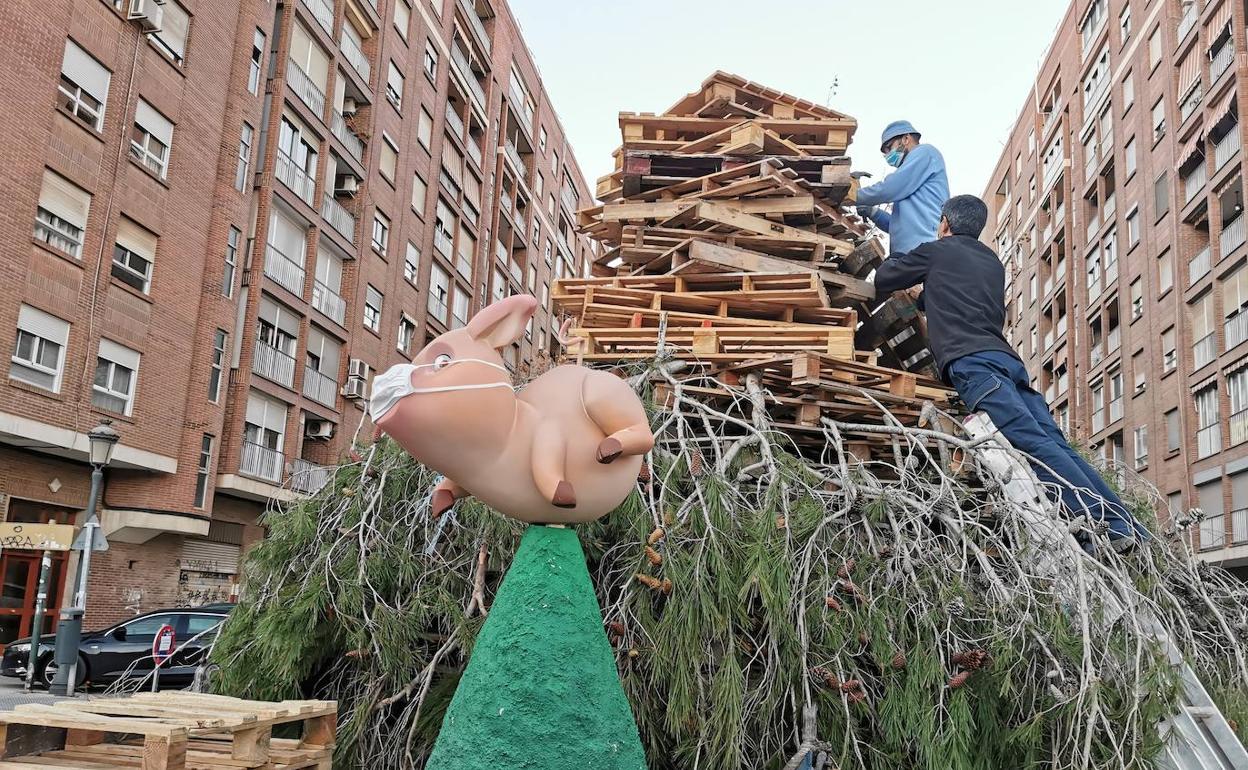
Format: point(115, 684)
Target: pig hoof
point(440, 502)
point(564, 497)
point(609, 450)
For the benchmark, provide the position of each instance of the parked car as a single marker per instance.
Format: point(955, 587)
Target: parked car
point(107, 655)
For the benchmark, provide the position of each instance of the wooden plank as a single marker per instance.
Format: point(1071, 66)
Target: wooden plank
point(252, 745)
point(52, 716)
point(320, 731)
point(721, 213)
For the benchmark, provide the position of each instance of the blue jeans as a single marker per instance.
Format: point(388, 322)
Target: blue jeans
point(997, 383)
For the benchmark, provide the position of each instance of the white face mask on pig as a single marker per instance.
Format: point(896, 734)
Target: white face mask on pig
point(395, 383)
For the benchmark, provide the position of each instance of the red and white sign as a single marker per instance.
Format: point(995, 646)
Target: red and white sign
point(162, 645)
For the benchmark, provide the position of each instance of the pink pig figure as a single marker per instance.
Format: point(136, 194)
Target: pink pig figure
point(567, 448)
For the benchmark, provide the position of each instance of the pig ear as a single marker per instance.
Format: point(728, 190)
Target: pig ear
point(503, 322)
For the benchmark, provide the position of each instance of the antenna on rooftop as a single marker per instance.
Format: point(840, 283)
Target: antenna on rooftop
point(832, 89)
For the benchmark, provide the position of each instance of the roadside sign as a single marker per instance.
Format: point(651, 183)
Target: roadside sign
point(36, 537)
point(99, 543)
point(162, 645)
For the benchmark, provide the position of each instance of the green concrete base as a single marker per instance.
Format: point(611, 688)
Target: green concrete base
point(541, 691)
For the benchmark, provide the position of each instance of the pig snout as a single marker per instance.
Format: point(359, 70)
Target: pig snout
point(389, 389)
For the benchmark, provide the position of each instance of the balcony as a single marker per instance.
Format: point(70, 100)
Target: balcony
point(1115, 409)
point(454, 123)
point(1089, 165)
point(355, 57)
point(1239, 525)
point(294, 177)
point(328, 302)
point(308, 478)
point(1004, 212)
point(1204, 350)
point(504, 201)
point(1208, 441)
point(474, 22)
point(1227, 147)
point(1111, 206)
point(353, 143)
point(1063, 382)
point(1193, 183)
point(338, 217)
point(273, 364)
point(569, 199)
point(522, 105)
point(1050, 393)
point(287, 272)
point(1098, 420)
point(1094, 226)
point(1094, 289)
point(1188, 22)
point(443, 243)
point(260, 462)
point(302, 85)
point(1048, 287)
point(1061, 326)
point(1232, 236)
point(474, 150)
point(1191, 102)
point(521, 224)
point(518, 161)
point(1222, 61)
point(1199, 266)
point(1048, 339)
point(1236, 329)
point(1113, 340)
point(319, 387)
point(1097, 354)
point(460, 60)
point(323, 12)
point(1052, 116)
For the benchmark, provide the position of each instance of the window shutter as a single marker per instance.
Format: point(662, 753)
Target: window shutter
point(65, 199)
point(1210, 496)
point(1189, 71)
point(137, 239)
point(175, 24)
point(1219, 21)
point(84, 70)
point(266, 413)
point(1239, 491)
point(156, 124)
point(119, 354)
point(288, 237)
point(42, 324)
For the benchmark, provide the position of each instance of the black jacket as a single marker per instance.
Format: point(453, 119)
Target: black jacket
point(963, 295)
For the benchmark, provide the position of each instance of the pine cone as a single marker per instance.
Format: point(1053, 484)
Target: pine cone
point(643, 474)
point(857, 696)
point(899, 661)
point(863, 638)
point(849, 685)
point(958, 658)
point(653, 556)
point(958, 679)
point(656, 536)
point(618, 628)
point(833, 604)
point(695, 464)
point(845, 569)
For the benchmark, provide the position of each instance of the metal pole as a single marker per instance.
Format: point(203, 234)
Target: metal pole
point(41, 602)
point(69, 629)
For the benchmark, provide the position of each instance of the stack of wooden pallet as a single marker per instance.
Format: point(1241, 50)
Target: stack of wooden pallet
point(171, 731)
point(726, 242)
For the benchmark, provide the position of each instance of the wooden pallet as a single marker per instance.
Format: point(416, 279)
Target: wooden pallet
point(665, 175)
point(641, 307)
point(729, 345)
point(179, 730)
point(808, 371)
point(741, 289)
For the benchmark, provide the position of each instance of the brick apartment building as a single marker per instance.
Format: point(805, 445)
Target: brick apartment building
point(220, 220)
point(1117, 206)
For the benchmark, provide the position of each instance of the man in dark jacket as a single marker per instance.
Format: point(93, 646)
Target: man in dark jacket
point(964, 298)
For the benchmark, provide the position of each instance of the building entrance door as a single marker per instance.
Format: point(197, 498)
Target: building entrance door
point(19, 575)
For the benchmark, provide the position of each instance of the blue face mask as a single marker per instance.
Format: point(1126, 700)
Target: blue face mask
point(894, 158)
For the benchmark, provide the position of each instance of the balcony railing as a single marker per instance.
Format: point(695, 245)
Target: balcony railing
point(1113, 340)
point(1209, 441)
point(353, 143)
point(1239, 427)
point(328, 302)
point(1063, 382)
point(1115, 409)
point(504, 201)
point(521, 224)
point(1089, 164)
point(1094, 226)
point(443, 243)
point(1205, 350)
point(474, 150)
point(308, 91)
point(1198, 267)
point(1048, 287)
point(465, 69)
point(1193, 183)
point(474, 21)
point(261, 462)
point(1213, 532)
point(1048, 339)
point(307, 477)
point(1232, 236)
point(294, 177)
point(1097, 354)
point(287, 272)
point(1236, 328)
point(323, 12)
point(1051, 117)
point(1050, 393)
point(1006, 207)
point(355, 57)
point(568, 198)
point(454, 123)
point(521, 104)
point(1188, 21)
point(1094, 289)
point(1061, 326)
point(514, 154)
point(1227, 147)
point(1098, 420)
point(338, 217)
point(319, 387)
point(1239, 525)
point(1111, 205)
point(273, 364)
point(1191, 102)
point(1222, 60)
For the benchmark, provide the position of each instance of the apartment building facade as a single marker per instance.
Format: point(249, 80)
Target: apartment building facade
point(222, 219)
point(1117, 206)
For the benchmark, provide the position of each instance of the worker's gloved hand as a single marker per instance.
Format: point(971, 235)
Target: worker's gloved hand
point(859, 174)
point(864, 211)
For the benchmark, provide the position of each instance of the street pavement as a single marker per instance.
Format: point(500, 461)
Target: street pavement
point(12, 693)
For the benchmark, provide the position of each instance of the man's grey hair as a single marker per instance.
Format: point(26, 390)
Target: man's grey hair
point(965, 214)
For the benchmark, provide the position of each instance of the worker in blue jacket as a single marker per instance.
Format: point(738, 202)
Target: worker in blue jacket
point(917, 189)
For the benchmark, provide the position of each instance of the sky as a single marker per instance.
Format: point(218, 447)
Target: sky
point(959, 70)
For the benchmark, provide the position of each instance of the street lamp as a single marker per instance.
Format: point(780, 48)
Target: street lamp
point(101, 441)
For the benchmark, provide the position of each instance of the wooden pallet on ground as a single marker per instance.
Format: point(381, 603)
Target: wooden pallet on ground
point(726, 345)
point(178, 730)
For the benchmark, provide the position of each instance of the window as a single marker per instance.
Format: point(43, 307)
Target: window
point(1208, 429)
point(394, 87)
point(459, 311)
point(439, 292)
point(1094, 82)
point(38, 355)
point(217, 369)
point(1133, 228)
point(1128, 91)
point(257, 62)
point(1110, 248)
point(1035, 340)
point(116, 369)
point(1169, 359)
point(431, 60)
point(1137, 299)
point(1173, 436)
point(532, 282)
point(133, 254)
point(143, 632)
point(424, 130)
point(407, 330)
point(541, 138)
point(1032, 289)
point(1213, 525)
point(1140, 436)
point(411, 263)
point(201, 473)
point(1204, 338)
point(1235, 307)
point(1161, 196)
point(1141, 376)
point(381, 232)
point(1124, 25)
point(244, 157)
point(61, 216)
point(1237, 390)
point(419, 191)
point(554, 162)
point(151, 139)
point(402, 18)
point(84, 86)
point(1128, 157)
point(539, 186)
point(231, 260)
point(372, 308)
point(1092, 21)
point(264, 433)
point(174, 26)
point(310, 74)
point(389, 159)
point(1159, 120)
point(1165, 272)
point(1154, 49)
point(1031, 141)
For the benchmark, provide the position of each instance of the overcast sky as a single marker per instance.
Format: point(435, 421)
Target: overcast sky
point(960, 71)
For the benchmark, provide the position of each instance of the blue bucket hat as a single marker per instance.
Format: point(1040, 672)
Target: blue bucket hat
point(895, 129)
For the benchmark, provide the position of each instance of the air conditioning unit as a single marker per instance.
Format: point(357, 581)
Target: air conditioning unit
point(357, 368)
point(347, 184)
point(148, 14)
point(349, 107)
point(355, 388)
point(318, 429)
